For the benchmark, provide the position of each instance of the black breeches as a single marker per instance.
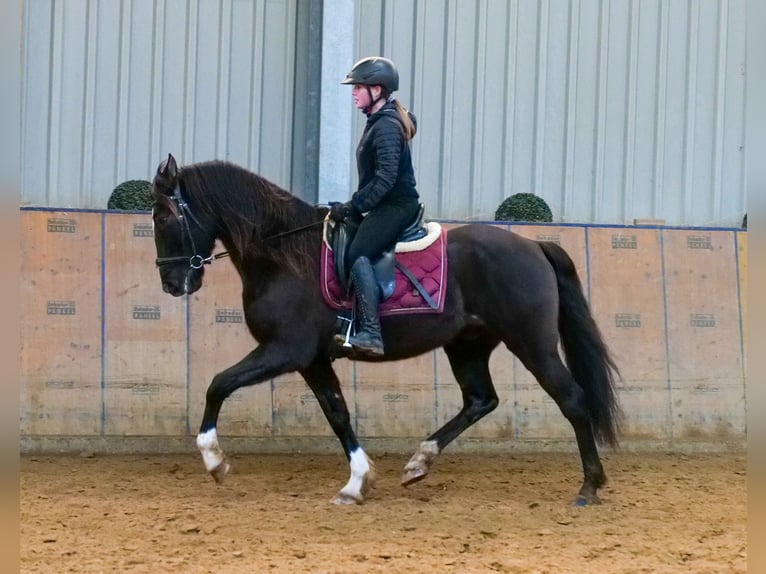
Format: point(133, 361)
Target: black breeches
point(380, 229)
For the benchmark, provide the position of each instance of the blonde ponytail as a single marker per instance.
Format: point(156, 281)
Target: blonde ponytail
point(409, 127)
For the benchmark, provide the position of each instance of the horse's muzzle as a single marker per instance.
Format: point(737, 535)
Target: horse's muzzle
point(173, 290)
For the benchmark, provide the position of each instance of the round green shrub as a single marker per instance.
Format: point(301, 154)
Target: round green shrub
point(524, 207)
point(134, 194)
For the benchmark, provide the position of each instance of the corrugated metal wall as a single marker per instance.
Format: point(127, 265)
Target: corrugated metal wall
point(110, 87)
point(610, 110)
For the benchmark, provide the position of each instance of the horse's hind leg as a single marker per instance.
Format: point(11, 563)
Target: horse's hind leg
point(322, 379)
point(469, 359)
point(558, 382)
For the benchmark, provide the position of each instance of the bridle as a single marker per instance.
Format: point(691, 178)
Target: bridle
point(197, 261)
point(184, 215)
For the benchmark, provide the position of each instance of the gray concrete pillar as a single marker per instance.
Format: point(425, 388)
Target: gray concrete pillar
point(335, 146)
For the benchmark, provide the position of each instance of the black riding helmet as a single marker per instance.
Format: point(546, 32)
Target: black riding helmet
point(374, 71)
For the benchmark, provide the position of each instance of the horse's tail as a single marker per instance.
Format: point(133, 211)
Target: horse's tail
point(586, 352)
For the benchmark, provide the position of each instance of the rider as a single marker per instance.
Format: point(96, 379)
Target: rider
point(386, 192)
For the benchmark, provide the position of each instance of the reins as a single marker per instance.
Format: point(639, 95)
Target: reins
point(222, 254)
point(196, 261)
point(296, 230)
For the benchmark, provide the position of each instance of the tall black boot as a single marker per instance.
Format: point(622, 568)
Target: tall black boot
point(367, 339)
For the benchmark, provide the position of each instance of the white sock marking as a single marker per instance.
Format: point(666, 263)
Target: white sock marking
point(429, 448)
point(207, 443)
point(360, 467)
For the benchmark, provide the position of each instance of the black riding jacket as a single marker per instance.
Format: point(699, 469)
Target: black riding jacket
point(384, 161)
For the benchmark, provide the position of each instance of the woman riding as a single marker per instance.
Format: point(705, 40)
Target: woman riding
point(386, 196)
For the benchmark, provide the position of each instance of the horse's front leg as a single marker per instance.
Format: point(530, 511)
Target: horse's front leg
point(262, 364)
point(322, 379)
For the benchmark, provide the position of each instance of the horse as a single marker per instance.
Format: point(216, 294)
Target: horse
point(501, 288)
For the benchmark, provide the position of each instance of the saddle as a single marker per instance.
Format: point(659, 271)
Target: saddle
point(340, 236)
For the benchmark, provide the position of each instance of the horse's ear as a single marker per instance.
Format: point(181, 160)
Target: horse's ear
point(167, 174)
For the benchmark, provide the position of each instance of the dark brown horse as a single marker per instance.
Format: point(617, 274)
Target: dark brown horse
point(502, 288)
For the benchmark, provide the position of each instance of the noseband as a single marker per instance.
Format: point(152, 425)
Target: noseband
point(196, 261)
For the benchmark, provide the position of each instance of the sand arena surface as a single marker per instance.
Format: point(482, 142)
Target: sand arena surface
point(473, 513)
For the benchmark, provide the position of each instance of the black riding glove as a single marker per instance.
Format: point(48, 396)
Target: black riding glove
point(340, 211)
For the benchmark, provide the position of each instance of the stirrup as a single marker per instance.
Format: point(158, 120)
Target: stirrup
point(342, 339)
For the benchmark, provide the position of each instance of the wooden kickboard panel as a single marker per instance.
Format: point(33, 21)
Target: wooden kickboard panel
point(145, 336)
point(628, 304)
point(705, 352)
point(106, 351)
point(395, 399)
point(742, 271)
point(60, 323)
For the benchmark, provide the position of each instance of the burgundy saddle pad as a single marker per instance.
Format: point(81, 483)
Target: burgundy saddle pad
point(428, 266)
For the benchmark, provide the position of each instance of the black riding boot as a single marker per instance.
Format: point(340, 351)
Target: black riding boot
point(367, 339)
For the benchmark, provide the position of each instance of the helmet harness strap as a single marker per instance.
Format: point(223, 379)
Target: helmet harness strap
point(368, 108)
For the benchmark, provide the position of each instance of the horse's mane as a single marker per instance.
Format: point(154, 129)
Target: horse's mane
point(251, 210)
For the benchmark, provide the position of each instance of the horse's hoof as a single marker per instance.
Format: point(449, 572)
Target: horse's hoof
point(219, 472)
point(581, 500)
point(368, 483)
point(411, 476)
point(344, 498)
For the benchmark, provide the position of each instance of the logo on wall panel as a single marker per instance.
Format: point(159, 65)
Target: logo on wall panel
point(627, 320)
point(702, 320)
point(551, 238)
point(699, 242)
point(62, 225)
point(146, 389)
point(395, 398)
point(62, 308)
point(59, 384)
point(703, 389)
point(624, 242)
point(146, 312)
point(229, 316)
point(143, 230)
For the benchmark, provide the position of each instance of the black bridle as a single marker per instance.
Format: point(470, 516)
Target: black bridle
point(184, 215)
point(196, 261)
